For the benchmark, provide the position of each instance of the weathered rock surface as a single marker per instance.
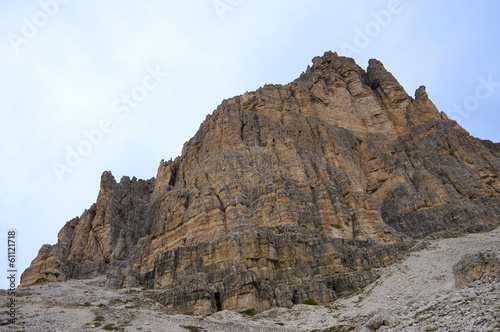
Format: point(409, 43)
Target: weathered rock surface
point(416, 293)
point(473, 267)
point(285, 194)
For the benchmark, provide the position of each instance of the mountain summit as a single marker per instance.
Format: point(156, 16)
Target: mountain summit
point(286, 194)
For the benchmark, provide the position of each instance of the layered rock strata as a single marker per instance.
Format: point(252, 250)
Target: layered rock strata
point(285, 194)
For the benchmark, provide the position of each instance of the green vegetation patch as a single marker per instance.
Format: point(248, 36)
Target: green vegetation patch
point(110, 327)
point(250, 312)
point(310, 302)
point(193, 328)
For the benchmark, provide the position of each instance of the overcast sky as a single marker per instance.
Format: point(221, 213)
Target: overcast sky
point(89, 86)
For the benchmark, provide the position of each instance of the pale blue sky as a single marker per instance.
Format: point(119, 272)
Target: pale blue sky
point(65, 69)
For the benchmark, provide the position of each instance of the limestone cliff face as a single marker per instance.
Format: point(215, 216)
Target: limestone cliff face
point(284, 194)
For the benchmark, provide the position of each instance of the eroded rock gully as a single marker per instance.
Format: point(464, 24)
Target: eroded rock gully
point(286, 194)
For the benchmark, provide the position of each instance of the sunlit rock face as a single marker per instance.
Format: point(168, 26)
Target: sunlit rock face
point(286, 194)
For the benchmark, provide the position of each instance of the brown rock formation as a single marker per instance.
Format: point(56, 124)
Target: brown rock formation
point(284, 194)
point(473, 267)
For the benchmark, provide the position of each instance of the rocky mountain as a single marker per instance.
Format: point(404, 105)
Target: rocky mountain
point(286, 194)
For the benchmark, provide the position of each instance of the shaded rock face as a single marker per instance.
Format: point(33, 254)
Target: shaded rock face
point(286, 194)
